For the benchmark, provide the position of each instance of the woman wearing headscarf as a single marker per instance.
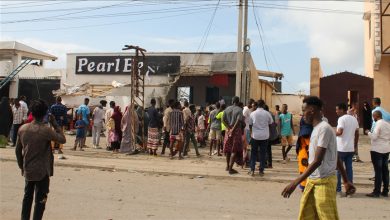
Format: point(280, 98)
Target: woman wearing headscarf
point(367, 117)
point(115, 129)
point(5, 119)
point(127, 137)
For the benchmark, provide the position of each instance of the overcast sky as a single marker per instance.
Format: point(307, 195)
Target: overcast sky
point(293, 31)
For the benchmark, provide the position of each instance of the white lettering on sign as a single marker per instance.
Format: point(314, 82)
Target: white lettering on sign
point(91, 66)
point(109, 65)
point(127, 67)
point(117, 65)
point(82, 62)
point(124, 65)
point(101, 67)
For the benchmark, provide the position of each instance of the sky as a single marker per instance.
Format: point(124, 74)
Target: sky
point(287, 33)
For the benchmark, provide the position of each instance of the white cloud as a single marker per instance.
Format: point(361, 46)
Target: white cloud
point(337, 39)
point(58, 49)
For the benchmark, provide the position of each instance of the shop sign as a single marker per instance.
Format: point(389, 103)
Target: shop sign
point(116, 65)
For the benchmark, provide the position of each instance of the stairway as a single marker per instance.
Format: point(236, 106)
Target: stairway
point(14, 72)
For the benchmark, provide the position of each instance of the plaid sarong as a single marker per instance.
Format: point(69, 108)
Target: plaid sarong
point(319, 199)
point(153, 138)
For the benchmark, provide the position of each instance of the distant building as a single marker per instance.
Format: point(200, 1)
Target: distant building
point(377, 47)
point(33, 80)
point(345, 87)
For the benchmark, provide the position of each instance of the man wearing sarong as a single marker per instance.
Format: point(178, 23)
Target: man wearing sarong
point(153, 134)
point(233, 120)
point(302, 148)
point(319, 197)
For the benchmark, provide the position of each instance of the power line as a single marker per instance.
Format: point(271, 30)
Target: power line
point(56, 16)
point(103, 16)
point(260, 35)
point(206, 33)
point(27, 5)
point(109, 24)
point(71, 9)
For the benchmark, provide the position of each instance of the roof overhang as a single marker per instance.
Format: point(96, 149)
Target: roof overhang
point(270, 74)
point(8, 49)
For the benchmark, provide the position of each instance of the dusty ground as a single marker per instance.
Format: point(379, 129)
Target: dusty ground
point(80, 193)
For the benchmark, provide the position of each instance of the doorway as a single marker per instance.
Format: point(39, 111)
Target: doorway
point(212, 95)
point(353, 98)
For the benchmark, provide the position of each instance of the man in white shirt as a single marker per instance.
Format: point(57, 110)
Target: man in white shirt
point(246, 113)
point(347, 136)
point(320, 174)
point(259, 123)
point(98, 117)
point(23, 104)
point(380, 149)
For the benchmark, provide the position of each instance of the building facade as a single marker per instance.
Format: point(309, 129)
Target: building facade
point(377, 47)
point(200, 78)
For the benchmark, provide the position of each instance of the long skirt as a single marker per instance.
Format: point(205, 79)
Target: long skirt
point(153, 138)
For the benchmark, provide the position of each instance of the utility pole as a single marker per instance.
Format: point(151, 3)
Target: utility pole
point(239, 50)
point(244, 77)
point(137, 94)
point(242, 48)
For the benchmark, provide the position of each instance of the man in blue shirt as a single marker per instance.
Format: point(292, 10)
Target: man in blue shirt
point(84, 111)
point(59, 111)
point(376, 103)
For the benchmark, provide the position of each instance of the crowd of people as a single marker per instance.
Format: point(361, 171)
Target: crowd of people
point(243, 134)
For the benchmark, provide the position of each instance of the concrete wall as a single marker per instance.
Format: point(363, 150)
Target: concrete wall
point(382, 82)
point(293, 101)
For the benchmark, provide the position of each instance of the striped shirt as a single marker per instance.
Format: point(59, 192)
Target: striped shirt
point(176, 121)
point(18, 114)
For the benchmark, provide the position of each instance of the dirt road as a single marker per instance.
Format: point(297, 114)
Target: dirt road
point(78, 193)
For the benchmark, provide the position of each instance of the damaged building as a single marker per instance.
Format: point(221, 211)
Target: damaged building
point(200, 78)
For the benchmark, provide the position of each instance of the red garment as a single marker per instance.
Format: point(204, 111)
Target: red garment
point(117, 116)
point(233, 144)
point(30, 118)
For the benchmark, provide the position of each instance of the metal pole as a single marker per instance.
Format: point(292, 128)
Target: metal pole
point(239, 51)
point(244, 72)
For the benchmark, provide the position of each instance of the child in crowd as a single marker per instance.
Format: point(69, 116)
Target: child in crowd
point(80, 133)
